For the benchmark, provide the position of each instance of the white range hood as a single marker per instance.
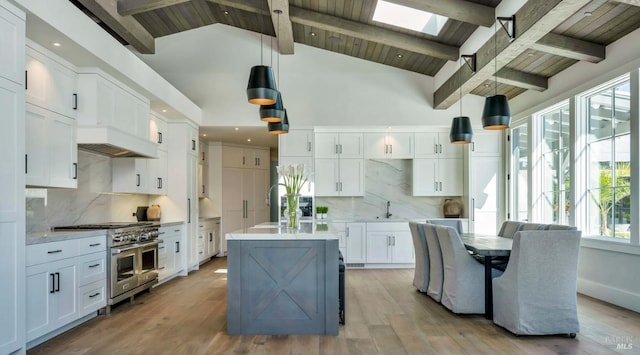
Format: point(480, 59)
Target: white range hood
point(113, 142)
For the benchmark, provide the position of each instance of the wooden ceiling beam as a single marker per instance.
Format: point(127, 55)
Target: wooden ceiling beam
point(571, 48)
point(134, 7)
point(282, 25)
point(373, 34)
point(521, 79)
point(125, 26)
point(629, 2)
point(460, 10)
point(534, 20)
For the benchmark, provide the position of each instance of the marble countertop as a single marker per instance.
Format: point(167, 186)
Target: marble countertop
point(48, 237)
point(277, 231)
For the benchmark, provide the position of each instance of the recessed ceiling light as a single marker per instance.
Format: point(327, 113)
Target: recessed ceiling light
point(164, 110)
point(248, 139)
point(56, 44)
point(587, 13)
point(237, 128)
point(226, 12)
point(313, 34)
point(204, 134)
point(486, 85)
point(399, 55)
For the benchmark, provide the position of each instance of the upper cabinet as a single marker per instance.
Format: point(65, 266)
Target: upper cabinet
point(394, 145)
point(243, 157)
point(158, 131)
point(338, 145)
point(436, 145)
point(297, 143)
point(488, 144)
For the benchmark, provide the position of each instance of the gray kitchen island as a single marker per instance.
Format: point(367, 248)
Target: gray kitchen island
point(281, 282)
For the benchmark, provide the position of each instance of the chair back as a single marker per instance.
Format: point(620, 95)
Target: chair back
point(532, 226)
point(435, 262)
point(559, 227)
point(421, 272)
point(449, 222)
point(509, 228)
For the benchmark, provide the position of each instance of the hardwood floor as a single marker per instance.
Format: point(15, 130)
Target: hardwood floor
point(384, 314)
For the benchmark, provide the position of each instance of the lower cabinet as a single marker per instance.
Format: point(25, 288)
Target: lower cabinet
point(356, 243)
point(208, 238)
point(171, 252)
point(389, 243)
point(65, 281)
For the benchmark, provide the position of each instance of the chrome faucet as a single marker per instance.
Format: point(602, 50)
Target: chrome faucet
point(388, 214)
point(269, 193)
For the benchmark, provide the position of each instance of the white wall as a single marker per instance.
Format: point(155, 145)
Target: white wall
point(606, 269)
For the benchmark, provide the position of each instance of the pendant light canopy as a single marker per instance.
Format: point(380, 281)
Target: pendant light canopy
point(461, 131)
point(261, 89)
point(496, 114)
point(280, 127)
point(273, 113)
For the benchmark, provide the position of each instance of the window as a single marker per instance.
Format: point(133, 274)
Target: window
point(409, 18)
point(555, 165)
point(519, 169)
point(609, 148)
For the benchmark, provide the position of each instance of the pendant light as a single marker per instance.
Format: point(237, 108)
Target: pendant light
point(261, 89)
point(461, 131)
point(496, 114)
point(280, 127)
point(275, 111)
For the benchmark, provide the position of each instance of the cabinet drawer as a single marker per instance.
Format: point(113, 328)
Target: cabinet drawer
point(92, 297)
point(206, 225)
point(388, 227)
point(171, 231)
point(92, 267)
point(92, 244)
point(47, 252)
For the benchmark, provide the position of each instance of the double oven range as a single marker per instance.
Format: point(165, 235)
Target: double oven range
point(132, 257)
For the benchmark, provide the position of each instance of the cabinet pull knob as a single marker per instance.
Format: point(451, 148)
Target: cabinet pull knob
point(94, 295)
point(94, 265)
point(75, 171)
point(95, 244)
point(75, 101)
point(54, 251)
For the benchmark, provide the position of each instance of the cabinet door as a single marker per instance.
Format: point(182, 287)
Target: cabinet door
point(66, 303)
point(351, 145)
point(40, 285)
point(327, 176)
point(351, 177)
point(36, 146)
point(487, 144)
point(448, 150)
point(425, 177)
point(193, 140)
point(261, 159)
point(259, 198)
point(450, 172)
point(486, 194)
point(157, 131)
point(130, 175)
point(356, 243)
point(378, 247)
point(426, 145)
point(12, 43)
point(375, 146)
point(157, 173)
point(400, 145)
point(297, 143)
point(202, 181)
point(326, 145)
point(233, 157)
point(307, 188)
point(402, 251)
point(62, 152)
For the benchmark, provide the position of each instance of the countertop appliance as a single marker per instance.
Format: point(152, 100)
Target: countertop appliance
point(132, 257)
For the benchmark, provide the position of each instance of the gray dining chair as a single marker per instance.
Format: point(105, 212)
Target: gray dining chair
point(463, 285)
point(421, 271)
point(532, 227)
point(435, 262)
point(537, 294)
point(509, 228)
point(558, 227)
point(449, 222)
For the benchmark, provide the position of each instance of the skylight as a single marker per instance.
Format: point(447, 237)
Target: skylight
point(409, 18)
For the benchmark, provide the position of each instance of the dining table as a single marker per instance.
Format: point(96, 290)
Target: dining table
point(488, 247)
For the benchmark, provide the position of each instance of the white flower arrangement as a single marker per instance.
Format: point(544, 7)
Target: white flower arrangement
point(293, 177)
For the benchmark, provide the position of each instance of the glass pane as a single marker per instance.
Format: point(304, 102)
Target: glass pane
point(600, 164)
point(600, 211)
point(599, 108)
point(550, 207)
point(621, 113)
point(564, 127)
point(567, 207)
point(622, 158)
point(621, 214)
point(520, 164)
point(551, 131)
point(550, 171)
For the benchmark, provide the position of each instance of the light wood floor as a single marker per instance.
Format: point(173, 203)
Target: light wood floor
point(385, 315)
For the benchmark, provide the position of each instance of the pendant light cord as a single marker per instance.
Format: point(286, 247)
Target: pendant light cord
point(495, 51)
point(460, 84)
point(278, 30)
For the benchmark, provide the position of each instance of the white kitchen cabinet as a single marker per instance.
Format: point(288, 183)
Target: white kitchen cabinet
point(389, 242)
point(51, 150)
point(51, 81)
point(245, 157)
point(12, 172)
point(338, 145)
point(438, 177)
point(203, 170)
point(208, 238)
point(356, 243)
point(130, 175)
point(65, 281)
point(171, 259)
point(393, 145)
point(487, 144)
point(436, 145)
point(340, 228)
point(486, 192)
point(158, 130)
point(296, 143)
point(244, 198)
point(158, 174)
point(339, 177)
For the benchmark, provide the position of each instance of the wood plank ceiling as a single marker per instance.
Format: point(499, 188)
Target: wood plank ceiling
point(583, 29)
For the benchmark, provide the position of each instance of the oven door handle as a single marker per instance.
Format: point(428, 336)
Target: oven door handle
point(115, 251)
point(149, 244)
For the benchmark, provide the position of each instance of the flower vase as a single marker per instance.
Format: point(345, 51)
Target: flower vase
point(293, 213)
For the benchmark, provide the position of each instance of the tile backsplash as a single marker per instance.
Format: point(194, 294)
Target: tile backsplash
point(385, 180)
point(87, 204)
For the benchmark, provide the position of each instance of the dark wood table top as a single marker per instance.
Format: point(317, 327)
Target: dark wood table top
point(487, 245)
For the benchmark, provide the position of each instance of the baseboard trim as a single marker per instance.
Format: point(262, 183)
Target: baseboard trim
point(606, 293)
point(60, 330)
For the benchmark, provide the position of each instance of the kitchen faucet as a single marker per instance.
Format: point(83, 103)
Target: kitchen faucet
point(388, 214)
point(269, 193)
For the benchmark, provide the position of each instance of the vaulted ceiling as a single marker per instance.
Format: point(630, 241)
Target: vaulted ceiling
point(550, 35)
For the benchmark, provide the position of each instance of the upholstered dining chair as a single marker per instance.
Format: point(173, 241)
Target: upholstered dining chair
point(532, 226)
point(421, 271)
point(463, 285)
point(509, 228)
point(537, 294)
point(435, 262)
point(449, 222)
point(559, 227)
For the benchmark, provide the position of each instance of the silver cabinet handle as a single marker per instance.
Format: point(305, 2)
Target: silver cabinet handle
point(473, 146)
point(337, 187)
point(394, 240)
point(435, 148)
point(473, 209)
point(386, 148)
point(340, 186)
point(308, 146)
point(159, 137)
point(390, 148)
point(336, 148)
point(340, 148)
point(435, 186)
point(440, 185)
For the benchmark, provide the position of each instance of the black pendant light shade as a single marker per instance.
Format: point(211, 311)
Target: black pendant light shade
point(496, 114)
point(273, 113)
point(461, 131)
point(280, 127)
point(261, 89)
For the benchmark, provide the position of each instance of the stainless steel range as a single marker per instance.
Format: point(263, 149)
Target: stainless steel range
point(132, 256)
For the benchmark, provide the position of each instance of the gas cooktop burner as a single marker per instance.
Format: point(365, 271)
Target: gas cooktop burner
point(108, 225)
